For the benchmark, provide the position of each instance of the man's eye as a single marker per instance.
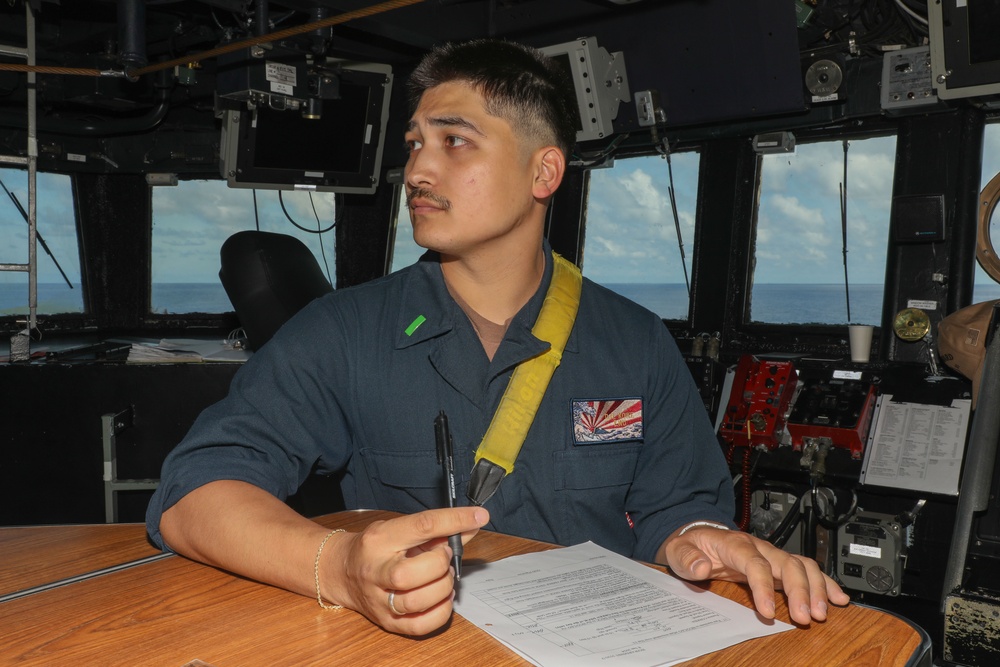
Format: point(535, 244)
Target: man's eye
point(454, 141)
point(412, 145)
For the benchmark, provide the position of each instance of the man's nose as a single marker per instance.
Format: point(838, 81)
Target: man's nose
point(421, 168)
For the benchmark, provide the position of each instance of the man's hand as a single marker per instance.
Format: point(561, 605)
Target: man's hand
point(407, 557)
point(705, 552)
point(246, 530)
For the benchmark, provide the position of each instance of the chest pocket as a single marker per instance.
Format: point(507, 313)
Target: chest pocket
point(405, 481)
point(413, 481)
point(596, 467)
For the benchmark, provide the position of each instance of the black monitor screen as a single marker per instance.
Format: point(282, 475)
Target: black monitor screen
point(333, 142)
point(984, 20)
point(340, 151)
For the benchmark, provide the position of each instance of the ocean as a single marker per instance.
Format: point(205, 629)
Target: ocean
point(784, 303)
point(772, 303)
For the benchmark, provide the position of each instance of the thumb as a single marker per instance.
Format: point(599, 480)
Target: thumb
point(688, 561)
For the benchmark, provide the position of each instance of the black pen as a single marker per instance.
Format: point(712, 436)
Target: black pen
point(445, 454)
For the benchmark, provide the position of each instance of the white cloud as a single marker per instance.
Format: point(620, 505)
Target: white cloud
point(631, 235)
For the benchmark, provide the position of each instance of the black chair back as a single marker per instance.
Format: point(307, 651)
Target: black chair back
point(269, 277)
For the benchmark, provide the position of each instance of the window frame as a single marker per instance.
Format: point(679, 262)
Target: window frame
point(751, 272)
point(740, 335)
point(690, 245)
point(54, 322)
point(284, 227)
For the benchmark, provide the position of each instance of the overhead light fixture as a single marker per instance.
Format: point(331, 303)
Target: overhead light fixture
point(161, 179)
point(774, 142)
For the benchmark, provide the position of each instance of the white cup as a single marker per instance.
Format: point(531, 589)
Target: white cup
point(861, 341)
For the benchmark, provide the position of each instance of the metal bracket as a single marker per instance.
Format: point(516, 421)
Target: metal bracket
point(113, 424)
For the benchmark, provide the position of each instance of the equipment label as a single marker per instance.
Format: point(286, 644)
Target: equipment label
point(863, 550)
point(281, 76)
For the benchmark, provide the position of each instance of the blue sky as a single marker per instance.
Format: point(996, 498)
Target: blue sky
point(58, 230)
point(800, 232)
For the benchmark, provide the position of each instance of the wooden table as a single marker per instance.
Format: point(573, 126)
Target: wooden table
point(173, 611)
point(39, 555)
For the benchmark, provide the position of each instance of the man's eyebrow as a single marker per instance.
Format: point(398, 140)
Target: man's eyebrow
point(448, 121)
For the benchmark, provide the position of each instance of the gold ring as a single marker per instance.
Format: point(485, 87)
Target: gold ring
point(392, 598)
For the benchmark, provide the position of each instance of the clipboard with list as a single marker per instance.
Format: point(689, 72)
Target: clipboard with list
point(917, 446)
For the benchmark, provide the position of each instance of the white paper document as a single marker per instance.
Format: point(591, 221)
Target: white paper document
point(916, 446)
point(585, 605)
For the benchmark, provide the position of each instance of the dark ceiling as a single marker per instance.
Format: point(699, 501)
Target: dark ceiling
point(75, 32)
point(111, 37)
point(710, 60)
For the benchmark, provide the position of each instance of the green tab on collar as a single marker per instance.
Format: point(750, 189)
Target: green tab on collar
point(415, 324)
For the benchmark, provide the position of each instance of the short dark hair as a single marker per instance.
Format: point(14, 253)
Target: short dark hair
point(518, 83)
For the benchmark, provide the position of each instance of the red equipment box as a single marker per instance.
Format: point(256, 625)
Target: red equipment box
point(758, 403)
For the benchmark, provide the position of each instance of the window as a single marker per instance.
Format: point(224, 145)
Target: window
point(632, 244)
point(799, 267)
point(56, 230)
point(193, 219)
point(405, 250)
point(986, 289)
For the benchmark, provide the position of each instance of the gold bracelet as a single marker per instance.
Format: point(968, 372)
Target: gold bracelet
point(319, 552)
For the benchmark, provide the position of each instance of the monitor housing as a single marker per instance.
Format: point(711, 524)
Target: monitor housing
point(599, 81)
point(268, 143)
point(965, 49)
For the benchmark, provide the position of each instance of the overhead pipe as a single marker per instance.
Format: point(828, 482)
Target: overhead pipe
point(261, 14)
point(132, 34)
point(106, 127)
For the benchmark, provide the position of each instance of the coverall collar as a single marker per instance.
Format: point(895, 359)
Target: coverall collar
point(425, 295)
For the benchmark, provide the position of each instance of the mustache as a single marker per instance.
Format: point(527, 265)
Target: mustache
point(427, 195)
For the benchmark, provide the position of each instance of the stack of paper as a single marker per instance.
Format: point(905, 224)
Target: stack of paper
point(185, 350)
point(585, 605)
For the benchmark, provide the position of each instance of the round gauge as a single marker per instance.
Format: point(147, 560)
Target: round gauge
point(911, 324)
point(823, 78)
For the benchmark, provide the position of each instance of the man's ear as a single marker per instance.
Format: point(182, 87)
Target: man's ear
point(550, 167)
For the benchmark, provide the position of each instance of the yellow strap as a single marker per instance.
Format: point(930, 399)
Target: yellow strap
point(527, 385)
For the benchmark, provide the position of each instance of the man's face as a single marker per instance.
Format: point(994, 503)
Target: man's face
point(468, 178)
